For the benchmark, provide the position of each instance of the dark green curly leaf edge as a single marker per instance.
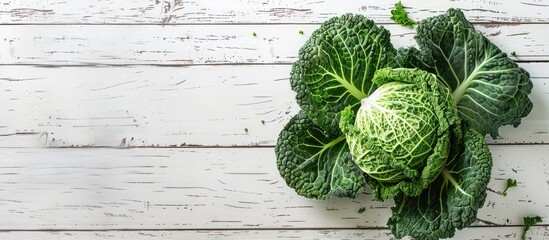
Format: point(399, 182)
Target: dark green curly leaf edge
point(452, 201)
point(316, 165)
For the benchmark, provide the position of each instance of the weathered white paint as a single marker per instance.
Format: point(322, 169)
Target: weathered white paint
point(174, 106)
point(229, 193)
point(144, 105)
point(250, 11)
point(188, 45)
point(479, 233)
point(214, 188)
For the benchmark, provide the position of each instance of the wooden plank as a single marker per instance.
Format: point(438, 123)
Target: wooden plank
point(479, 233)
point(214, 189)
point(248, 11)
point(142, 106)
point(217, 44)
point(175, 106)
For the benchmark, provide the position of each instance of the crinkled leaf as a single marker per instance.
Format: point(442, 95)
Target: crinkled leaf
point(336, 65)
point(489, 88)
point(314, 164)
point(452, 201)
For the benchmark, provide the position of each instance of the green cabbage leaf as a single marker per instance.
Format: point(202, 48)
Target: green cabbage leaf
point(314, 164)
point(452, 200)
point(490, 90)
point(336, 65)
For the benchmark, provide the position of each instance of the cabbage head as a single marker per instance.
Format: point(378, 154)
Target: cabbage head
point(403, 132)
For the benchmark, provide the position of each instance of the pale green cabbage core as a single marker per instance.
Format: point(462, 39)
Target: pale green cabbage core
point(404, 126)
point(401, 134)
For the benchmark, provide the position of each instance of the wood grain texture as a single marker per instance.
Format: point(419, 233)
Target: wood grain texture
point(176, 106)
point(478, 233)
point(189, 73)
point(215, 189)
point(251, 11)
point(218, 44)
point(141, 106)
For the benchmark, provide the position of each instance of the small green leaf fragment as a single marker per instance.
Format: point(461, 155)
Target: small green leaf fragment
point(263, 122)
point(511, 183)
point(361, 210)
point(300, 32)
point(246, 130)
point(400, 16)
point(254, 34)
point(514, 54)
point(529, 222)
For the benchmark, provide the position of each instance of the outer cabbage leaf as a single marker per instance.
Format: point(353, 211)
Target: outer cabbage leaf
point(490, 90)
point(336, 65)
point(314, 164)
point(402, 133)
point(452, 201)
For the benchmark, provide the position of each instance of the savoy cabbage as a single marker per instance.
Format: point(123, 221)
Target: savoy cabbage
point(409, 123)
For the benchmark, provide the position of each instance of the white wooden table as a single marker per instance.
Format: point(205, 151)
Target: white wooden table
point(125, 119)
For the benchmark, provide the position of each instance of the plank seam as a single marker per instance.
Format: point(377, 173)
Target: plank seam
point(219, 146)
point(235, 24)
point(108, 65)
point(227, 229)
